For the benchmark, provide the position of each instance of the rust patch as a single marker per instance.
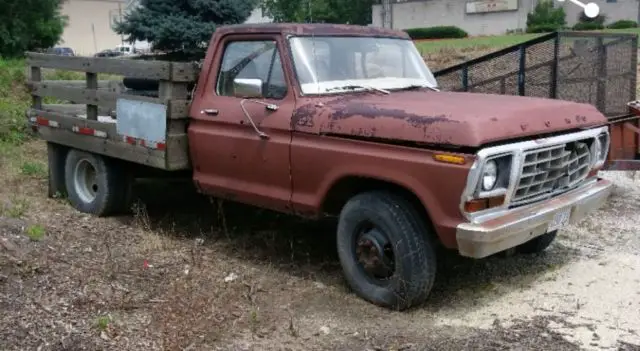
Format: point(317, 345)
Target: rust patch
point(345, 107)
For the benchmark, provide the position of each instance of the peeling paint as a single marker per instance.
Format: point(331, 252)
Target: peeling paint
point(461, 119)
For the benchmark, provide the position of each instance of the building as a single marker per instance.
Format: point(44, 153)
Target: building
point(90, 24)
point(89, 28)
point(484, 17)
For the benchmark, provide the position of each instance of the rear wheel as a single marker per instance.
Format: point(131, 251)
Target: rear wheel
point(95, 184)
point(386, 250)
point(537, 244)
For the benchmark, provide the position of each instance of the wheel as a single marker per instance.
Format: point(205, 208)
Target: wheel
point(95, 184)
point(386, 251)
point(537, 244)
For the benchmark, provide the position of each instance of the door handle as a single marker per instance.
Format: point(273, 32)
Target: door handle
point(210, 111)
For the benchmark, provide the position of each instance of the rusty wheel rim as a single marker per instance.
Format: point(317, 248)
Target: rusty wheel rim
point(374, 252)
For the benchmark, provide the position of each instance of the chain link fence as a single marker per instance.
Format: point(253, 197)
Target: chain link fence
point(595, 68)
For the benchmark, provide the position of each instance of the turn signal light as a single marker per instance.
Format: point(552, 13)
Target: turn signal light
point(448, 158)
point(483, 204)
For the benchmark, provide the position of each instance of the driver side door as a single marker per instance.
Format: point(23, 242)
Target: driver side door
point(230, 157)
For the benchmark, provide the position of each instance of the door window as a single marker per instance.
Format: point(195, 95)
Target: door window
point(252, 59)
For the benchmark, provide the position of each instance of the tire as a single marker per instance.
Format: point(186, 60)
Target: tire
point(537, 244)
point(398, 223)
point(95, 184)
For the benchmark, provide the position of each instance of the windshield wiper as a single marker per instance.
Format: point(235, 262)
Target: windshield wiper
point(354, 87)
point(418, 86)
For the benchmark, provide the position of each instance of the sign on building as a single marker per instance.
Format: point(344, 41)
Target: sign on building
point(485, 6)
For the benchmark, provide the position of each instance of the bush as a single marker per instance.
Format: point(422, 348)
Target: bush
point(546, 18)
point(623, 24)
point(588, 26)
point(542, 28)
point(441, 32)
point(14, 101)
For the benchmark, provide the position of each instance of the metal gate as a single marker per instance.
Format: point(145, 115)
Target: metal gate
point(588, 67)
point(595, 68)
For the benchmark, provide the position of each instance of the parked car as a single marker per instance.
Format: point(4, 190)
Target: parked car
point(108, 53)
point(62, 51)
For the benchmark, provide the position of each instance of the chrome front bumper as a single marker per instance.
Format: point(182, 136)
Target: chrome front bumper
point(478, 240)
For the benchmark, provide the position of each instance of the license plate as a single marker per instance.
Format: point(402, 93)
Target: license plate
point(560, 220)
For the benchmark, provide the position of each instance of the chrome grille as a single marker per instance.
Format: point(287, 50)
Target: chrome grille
point(549, 170)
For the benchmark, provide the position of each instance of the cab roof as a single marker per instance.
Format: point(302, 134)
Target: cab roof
point(312, 29)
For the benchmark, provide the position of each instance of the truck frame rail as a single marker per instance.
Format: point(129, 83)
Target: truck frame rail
point(103, 117)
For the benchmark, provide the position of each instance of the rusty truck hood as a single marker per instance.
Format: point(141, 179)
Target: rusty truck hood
point(463, 119)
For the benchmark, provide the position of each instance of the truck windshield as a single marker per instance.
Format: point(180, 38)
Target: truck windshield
point(330, 64)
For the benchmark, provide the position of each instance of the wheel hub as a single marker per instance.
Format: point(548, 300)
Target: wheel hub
point(85, 181)
point(374, 253)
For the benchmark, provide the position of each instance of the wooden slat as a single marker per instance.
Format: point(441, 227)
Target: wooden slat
point(173, 71)
point(73, 109)
point(102, 84)
point(184, 72)
point(68, 121)
point(36, 76)
point(176, 109)
point(112, 148)
point(92, 83)
point(177, 157)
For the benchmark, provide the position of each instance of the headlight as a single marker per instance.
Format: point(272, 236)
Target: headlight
point(489, 175)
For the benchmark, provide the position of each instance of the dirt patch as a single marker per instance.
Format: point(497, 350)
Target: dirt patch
point(187, 273)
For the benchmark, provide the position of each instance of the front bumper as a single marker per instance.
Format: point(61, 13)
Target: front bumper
point(478, 240)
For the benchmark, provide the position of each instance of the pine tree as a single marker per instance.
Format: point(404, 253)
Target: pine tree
point(181, 25)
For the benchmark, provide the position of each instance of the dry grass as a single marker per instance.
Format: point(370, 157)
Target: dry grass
point(185, 273)
point(170, 277)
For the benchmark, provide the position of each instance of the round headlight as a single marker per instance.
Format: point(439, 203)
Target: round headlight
point(489, 175)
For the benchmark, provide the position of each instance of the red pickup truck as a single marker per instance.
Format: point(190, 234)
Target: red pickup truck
point(317, 119)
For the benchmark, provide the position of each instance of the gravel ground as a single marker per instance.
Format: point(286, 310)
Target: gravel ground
point(174, 276)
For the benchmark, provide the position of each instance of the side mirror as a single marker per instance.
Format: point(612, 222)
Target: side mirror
point(247, 88)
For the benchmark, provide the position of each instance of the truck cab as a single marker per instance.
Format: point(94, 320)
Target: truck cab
point(349, 121)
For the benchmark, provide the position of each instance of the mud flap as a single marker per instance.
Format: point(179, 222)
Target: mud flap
point(624, 150)
point(56, 155)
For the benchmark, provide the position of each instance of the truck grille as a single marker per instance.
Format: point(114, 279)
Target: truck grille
point(550, 170)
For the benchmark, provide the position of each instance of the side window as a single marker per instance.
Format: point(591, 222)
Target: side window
point(252, 59)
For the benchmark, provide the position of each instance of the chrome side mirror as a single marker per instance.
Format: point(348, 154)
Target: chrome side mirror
point(247, 88)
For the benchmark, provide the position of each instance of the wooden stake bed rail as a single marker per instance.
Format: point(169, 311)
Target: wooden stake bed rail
point(103, 117)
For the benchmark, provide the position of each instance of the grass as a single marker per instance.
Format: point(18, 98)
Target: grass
point(494, 42)
point(14, 101)
point(34, 169)
point(35, 232)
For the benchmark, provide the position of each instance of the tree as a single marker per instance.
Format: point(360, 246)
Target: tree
point(30, 25)
point(320, 11)
point(546, 17)
point(181, 25)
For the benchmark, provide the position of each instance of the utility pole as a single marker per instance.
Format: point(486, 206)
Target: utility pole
point(387, 14)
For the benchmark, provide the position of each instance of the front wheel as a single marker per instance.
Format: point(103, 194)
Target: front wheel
point(386, 250)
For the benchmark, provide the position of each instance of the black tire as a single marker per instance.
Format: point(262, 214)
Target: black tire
point(537, 244)
point(414, 256)
point(95, 184)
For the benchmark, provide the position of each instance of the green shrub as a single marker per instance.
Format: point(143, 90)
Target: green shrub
point(441, 32)
point(14, 101)
point(588, 26)
point(545, 17)
point(542, 28)
point(623, 24)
